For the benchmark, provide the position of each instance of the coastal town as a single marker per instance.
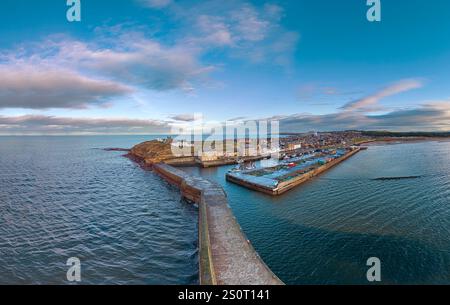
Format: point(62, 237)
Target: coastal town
point(286, 162)
point(290, 159)
point(294, 158)
point(238, 145)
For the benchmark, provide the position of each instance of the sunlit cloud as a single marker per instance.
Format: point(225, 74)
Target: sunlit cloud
point(370, 103)
point(42, 124)
point(155, 3)
point(124, 59)
point(184, 117)
point(433, 116)
point(133, 63)
point(427, 117)
point(246, 32)
point(25, 86)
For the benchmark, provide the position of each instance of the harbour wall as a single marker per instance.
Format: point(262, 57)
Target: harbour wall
point(229, 161)
point(288, 185)
point(291, 183)
point(226, 256)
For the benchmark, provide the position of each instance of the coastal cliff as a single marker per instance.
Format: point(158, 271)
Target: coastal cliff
point(152, 152)
point(158, 151)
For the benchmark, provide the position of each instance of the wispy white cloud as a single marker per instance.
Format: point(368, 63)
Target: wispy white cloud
point(184, 117)
point(155, 3)
point(212, 31)
point(429, 116)
point(253, 34)
point(249, 24)
point(370, 103)
point(144, 62)
point(360, 114)
point(124, 58)
point(65, 73)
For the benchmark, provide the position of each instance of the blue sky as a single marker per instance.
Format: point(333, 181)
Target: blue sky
point(139, 66)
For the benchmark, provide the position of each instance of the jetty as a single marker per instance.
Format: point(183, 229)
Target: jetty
point(226, 256)
point(284, 177)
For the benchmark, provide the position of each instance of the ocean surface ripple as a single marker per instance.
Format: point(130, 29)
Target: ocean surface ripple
point(324, 231)
point(61, 198)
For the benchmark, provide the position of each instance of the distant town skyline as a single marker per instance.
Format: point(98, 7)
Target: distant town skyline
point(137, 67)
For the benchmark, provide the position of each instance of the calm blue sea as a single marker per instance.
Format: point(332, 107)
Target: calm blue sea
point(324, 231)
point(64, 197)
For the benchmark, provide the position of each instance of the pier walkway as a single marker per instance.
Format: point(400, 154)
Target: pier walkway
point(226, 257)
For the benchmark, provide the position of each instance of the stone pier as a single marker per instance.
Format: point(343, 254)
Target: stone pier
point(226, 256)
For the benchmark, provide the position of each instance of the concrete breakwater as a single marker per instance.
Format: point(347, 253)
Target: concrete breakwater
point(226, 257)
point(289, 184)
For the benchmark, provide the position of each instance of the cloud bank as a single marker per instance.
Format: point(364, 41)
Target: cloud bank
point(25, 86)
point(434, 116)
point(427, 117)
point(125, 58)
point(42, 124)
point(359, 115)
point(61, 72)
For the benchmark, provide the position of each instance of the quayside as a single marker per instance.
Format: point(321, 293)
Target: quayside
point(286, 176)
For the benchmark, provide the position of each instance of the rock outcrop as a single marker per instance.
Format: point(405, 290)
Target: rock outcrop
point(153, 152)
